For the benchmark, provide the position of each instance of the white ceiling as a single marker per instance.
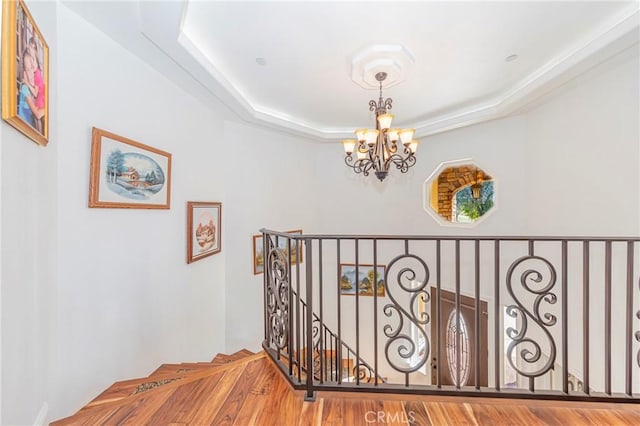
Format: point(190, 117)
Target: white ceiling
point(460, 75)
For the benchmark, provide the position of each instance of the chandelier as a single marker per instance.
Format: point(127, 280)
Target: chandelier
point(378, 149)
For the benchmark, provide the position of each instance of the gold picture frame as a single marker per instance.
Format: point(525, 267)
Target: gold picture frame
point(204, 229)
point(25, 73)
point(258, 251)
point(127, 174)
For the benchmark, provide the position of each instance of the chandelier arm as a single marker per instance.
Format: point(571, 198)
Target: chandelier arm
point(368, 166)
point(391, 147)
point(387, 104)
point(403, 164)
point(363, 165)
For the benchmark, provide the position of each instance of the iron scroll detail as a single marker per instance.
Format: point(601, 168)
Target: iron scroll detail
point(277, 296)
point(531, 351)
point(405, 346)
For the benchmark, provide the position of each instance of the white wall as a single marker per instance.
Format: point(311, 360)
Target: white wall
point(29, 237)
point(583, 150)
point(126, 300)
point(583, 162)
point(270, 185)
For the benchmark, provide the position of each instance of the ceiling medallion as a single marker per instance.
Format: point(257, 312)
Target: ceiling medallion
point(395, 60)
point(378, 149)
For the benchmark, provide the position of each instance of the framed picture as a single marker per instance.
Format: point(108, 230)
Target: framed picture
point(258, 254)
point(366, 282)
point(25, 73)
point(258, 250)
point(204, 221)
point(128, 174)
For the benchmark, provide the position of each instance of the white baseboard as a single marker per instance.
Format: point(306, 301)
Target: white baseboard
point(42, 416)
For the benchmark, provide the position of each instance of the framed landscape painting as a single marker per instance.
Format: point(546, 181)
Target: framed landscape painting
point(127, 174)
point(366, 282)
point(203, 229)
point(25, 73)
point(258, 254)
point(258, 250)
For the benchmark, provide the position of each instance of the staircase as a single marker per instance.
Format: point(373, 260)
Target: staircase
point(222, 391)
point(193, 393)
point(246, 389)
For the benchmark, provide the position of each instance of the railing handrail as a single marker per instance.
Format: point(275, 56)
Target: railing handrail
point(449, 237)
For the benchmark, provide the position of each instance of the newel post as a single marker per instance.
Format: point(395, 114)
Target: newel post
point(310, 394)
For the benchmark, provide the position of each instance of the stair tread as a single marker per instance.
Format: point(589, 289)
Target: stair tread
point(163, 375)
point(126, 388)
point(182, 368)
point(233, 357)
point(115, 398)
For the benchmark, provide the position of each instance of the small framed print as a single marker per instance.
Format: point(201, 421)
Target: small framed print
point(258, 250)
point(204, 221)
point(367, 282)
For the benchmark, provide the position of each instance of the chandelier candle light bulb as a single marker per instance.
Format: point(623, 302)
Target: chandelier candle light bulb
point(377, 149)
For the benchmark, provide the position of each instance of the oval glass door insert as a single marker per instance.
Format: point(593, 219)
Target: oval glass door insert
point(460, 377)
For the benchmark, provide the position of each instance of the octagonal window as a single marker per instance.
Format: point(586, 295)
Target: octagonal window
point(459, 193)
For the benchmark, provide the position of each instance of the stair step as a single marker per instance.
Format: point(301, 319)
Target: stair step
point(243, 353)
point(182, 368)
point(139, 393)
point(126, 388)
point(165, 374)
point(223, 358)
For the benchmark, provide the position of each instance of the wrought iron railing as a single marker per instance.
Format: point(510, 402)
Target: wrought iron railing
point(333, 360)
point(526, 317)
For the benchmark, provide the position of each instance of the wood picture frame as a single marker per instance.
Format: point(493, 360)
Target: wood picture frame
point(127, 174)
point(204, 229)
point(365, 275)
point(258, 251)
point(258, 254)
point(25, 73)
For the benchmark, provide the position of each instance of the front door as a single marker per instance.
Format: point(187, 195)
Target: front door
point(465, 336)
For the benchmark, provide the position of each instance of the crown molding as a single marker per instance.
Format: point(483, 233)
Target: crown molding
point(606, 41)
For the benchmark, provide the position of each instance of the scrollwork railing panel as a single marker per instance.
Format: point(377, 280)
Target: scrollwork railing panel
point(531, 351)
point(278, 288)
point(399, 340)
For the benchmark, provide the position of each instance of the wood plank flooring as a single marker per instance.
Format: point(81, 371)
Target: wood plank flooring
point(248, 390)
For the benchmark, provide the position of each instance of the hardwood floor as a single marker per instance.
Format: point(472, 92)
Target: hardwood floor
point(246, 389)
